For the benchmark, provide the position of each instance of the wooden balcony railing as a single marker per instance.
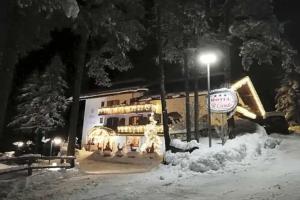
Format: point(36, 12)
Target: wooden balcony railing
point(136, 129)
point(126, 109)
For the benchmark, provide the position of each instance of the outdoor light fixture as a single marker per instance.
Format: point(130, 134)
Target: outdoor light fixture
point(18, 144)
point(57, 141)
point(208, 58)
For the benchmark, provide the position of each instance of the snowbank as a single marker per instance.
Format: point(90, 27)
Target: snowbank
point(3, 166)
point(184, 145)
point(244, 147)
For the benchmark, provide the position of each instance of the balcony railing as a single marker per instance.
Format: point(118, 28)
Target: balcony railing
point(136, 129)
point(126, 109)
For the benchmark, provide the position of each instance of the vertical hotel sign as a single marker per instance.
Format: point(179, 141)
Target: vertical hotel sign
point(223, 100)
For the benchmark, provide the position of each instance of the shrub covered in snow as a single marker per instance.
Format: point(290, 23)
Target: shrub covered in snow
point(204, 159)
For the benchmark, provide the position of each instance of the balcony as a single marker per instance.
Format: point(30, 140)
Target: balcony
point(136, 129)
point(127, 109)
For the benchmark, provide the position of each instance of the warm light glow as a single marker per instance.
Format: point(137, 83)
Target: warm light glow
point(152, 141)
point(207, 58)
point(247, 81)
point(57, 141)
point(18, 144)
point(125, 109)
point(137, 129)
point(245, 112)
point(101, 136)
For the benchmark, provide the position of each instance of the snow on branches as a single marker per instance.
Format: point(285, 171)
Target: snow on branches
point(41, 103)
point(288, 98)
point(117, 25)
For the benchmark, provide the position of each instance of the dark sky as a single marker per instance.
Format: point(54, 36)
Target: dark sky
point(288, 11)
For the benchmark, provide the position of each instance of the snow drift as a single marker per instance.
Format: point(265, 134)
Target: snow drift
point(242, 148)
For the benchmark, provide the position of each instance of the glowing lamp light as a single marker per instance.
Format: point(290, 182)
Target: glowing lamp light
point(207, 58)
point(57, 141)
point(19, 144)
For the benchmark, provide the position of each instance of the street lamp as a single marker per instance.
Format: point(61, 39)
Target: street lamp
point(56, 141)
point(208, 58)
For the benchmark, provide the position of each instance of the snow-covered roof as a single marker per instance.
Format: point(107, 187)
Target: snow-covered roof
point(113, 92)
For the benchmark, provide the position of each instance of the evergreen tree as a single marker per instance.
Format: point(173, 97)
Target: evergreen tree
point(41, 101)
point(261, 34)
point(27, 27)
point(288, 98)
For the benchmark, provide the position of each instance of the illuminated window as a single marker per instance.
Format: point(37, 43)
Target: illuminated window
point(113, 103)
point(134, 120)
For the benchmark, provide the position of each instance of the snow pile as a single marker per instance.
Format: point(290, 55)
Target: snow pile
point(3, 166)
point(242, 148)
point(184, 145)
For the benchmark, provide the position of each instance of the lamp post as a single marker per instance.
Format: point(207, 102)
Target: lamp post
point(55, 141)
point(208, 58)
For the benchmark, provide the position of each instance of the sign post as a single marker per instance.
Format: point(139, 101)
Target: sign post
point(223, 101)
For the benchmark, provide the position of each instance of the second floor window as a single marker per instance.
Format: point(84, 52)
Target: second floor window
point(113, 103)
point(112, 122)
point(102, 104)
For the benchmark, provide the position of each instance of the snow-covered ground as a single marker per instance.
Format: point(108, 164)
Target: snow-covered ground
point(260, 172)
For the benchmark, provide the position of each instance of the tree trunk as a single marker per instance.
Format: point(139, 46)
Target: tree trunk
point(187, 98)
point(196, 109)
point(227, 68)
point(79, 65)
point(7, 62)
point(162, 81)
point(6, 79)
point(164, 106)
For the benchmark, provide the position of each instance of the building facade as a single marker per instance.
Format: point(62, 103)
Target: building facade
point(119, 118)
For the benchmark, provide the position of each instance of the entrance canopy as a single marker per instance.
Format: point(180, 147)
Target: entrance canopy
point(100, 134)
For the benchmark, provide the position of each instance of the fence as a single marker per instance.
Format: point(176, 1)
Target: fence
point(28, 161)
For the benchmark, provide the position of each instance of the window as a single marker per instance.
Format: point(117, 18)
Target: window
point(157, 117)
point(113, 103)
point(144, 120)
point(102, 104)
point(133, 101)
point(112, 123)
point(137, 120)
point(122, 122)
point(101, 120)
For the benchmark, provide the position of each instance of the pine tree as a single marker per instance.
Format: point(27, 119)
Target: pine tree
point(41, 101)
point(288, 98)
point(27, 27)
point(256, 25)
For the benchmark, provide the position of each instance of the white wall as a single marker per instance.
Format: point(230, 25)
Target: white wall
point(91, 117)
